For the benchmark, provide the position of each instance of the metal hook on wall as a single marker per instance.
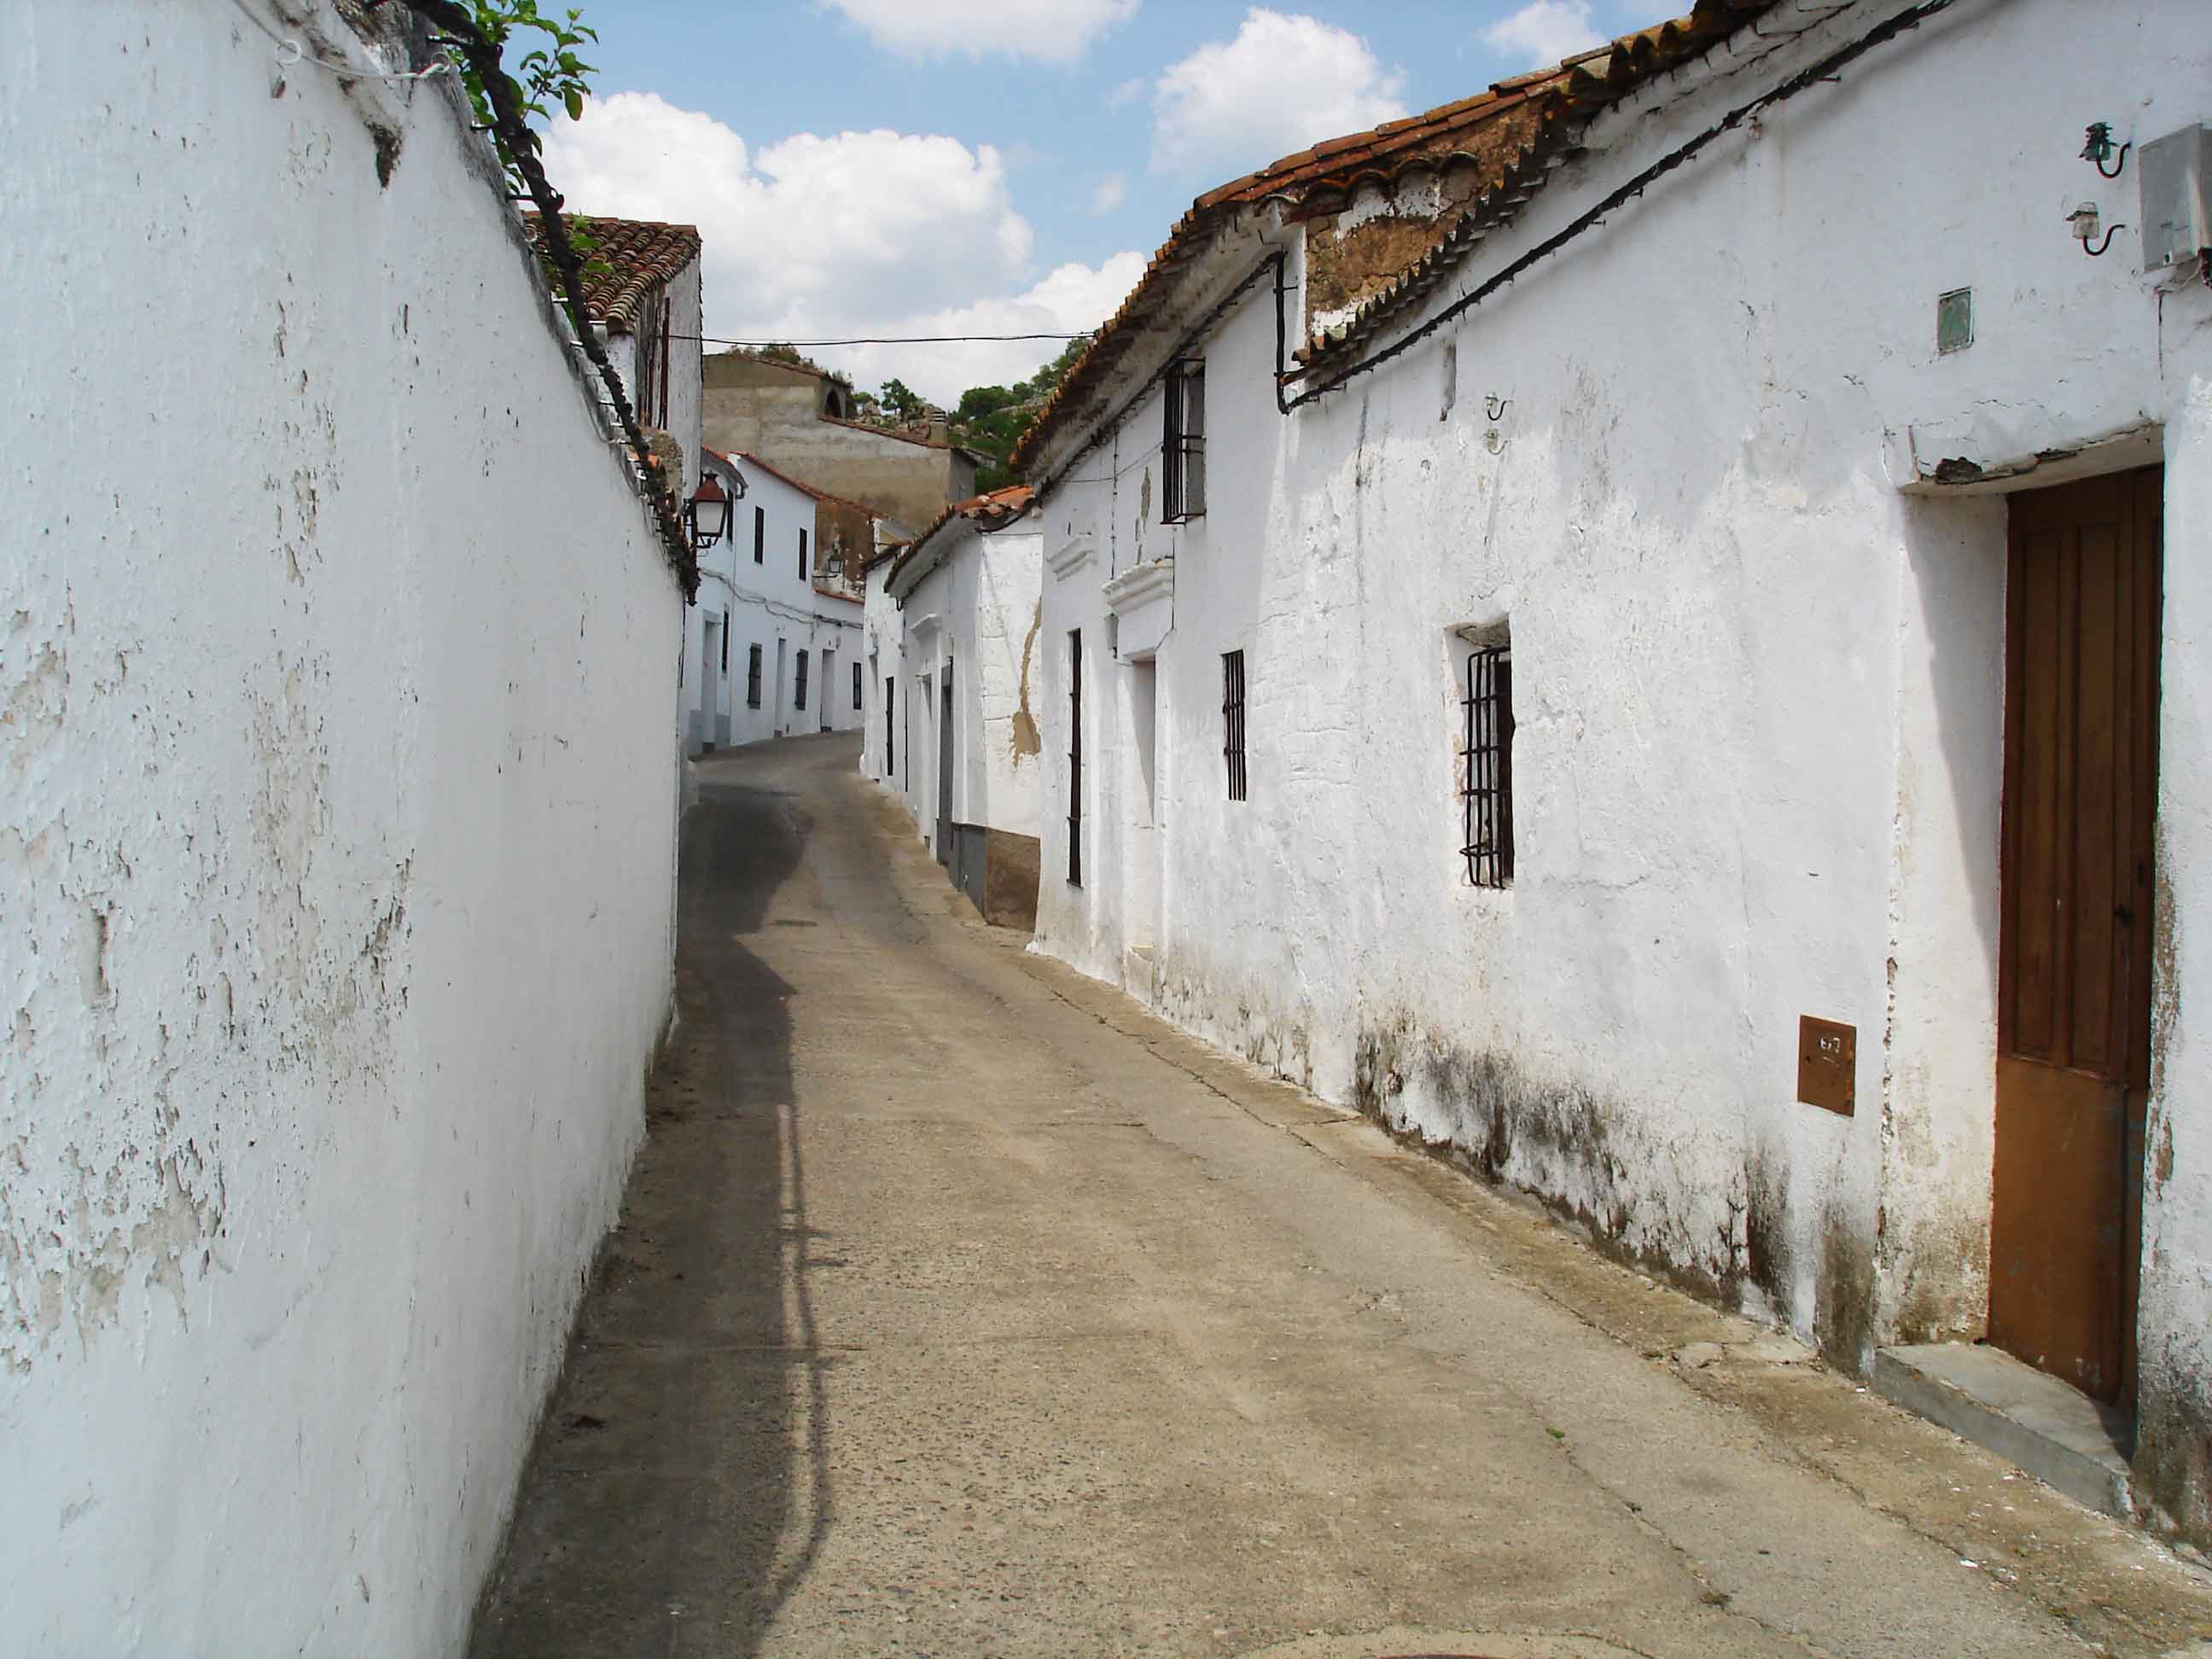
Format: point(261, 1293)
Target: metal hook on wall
point(1495, 408)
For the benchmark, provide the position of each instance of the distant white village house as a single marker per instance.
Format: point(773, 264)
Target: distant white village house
point(953, 624)
point(773, 647)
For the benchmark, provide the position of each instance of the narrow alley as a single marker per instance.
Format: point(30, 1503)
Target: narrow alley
point(959, 1308)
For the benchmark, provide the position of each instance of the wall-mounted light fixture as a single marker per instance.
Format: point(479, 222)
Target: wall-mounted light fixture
point(2097, 149)
point(707, 513)
point(2085, 223)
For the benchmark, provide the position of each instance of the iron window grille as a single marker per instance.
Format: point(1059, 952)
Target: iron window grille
point(760, 535)
point(856, 685)
point(799, 684)
point(1487, 768)
point(890, 740)
point(753, 679)
point(726, 642)
point(802, 557)
point(1075, 757)
point(1183, 445)
point(1232, 720)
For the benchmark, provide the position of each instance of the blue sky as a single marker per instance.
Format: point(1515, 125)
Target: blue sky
point(990, 165)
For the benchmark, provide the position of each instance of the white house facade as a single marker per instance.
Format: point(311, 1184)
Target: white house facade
point(771, 648)
point(955, 622)
point(1692, 695)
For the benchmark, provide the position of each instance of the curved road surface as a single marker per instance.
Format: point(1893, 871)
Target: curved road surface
point(960, 1309)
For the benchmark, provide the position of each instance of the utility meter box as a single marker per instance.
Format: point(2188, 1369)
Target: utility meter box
point(2175, 175)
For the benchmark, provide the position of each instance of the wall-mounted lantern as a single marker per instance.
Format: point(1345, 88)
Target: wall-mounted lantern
point(835, 568)
point(707, 513)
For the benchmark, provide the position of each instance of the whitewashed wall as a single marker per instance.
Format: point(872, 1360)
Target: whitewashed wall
point(884, 644)
point(985, 609)
point(1758, 683)
point(332, 731)
point(767, 603)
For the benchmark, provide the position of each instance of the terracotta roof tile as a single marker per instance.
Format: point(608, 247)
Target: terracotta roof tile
point(995, 508)
point(632, 256)
point(1322, 177)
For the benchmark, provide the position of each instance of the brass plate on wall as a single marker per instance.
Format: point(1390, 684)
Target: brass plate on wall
point(1827, 1064)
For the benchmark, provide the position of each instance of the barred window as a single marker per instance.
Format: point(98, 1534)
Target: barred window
point(1183, 446)
point(856, 685)
point(1232, 720)
point(802, 565)
point(753, 679)
point(726, 641)
point(890, 740)
point(1487, 768)
point(799, 698)
point(760, 535)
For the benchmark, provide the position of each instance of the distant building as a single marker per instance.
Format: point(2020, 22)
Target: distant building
point(800, 419)
point(641, 288)
point(951, 695)
point(773, 647)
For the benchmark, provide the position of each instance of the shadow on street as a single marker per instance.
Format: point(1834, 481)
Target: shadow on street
point(681, 1476)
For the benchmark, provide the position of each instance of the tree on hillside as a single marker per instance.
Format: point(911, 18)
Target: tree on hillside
point(990, 420)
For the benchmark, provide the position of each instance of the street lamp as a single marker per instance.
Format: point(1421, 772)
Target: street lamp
point(707, 513)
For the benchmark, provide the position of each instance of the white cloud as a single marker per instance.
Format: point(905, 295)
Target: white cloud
point(1047, 31)
point(1544, 31)
point(832, 235)
point(1108, 193)
point(1286, 82)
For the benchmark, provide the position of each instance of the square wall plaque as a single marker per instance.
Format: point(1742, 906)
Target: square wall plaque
point(1827, 1064)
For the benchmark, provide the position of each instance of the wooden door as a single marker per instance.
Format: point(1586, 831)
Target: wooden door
point(2074, 984)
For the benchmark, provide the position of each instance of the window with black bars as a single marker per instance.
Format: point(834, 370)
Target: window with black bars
point(856, 685)
point(798, 683)
point(890, 740)
point(726, 642)
point(1182, 446)
point(760, 535)
point(753, 678)
point(1075, 757)
point(1487, 768)
point(802, 556)
point(1232, 720)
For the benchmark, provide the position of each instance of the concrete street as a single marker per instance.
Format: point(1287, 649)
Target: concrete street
point(960, 1308)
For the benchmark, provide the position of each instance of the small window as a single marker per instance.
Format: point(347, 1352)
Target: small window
point(798, 683)
point(1232, 720)
point(891, 741)
point(726, 641)
point(760, 535)
point(1183, 446)
point(1075, 757)
point(856, 685)
point(802, 562)
point(1487, 768)
point(753, 679)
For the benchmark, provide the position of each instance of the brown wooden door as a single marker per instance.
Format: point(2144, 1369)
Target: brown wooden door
point(2074, 989)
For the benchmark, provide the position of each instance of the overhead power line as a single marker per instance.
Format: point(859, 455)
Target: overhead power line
point(891, 339)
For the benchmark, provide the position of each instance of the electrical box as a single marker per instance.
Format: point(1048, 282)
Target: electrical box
point(2175, 175)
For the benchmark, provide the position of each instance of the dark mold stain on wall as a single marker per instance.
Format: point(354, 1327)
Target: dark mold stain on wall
point(1594, 1165)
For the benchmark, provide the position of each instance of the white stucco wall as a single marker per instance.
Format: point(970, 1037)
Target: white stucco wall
point(332, 729)
point(767, 603)
point(981, 607)
point(1758, 682)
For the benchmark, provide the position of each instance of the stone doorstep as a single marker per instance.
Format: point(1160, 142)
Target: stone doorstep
point(2054, 1432)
